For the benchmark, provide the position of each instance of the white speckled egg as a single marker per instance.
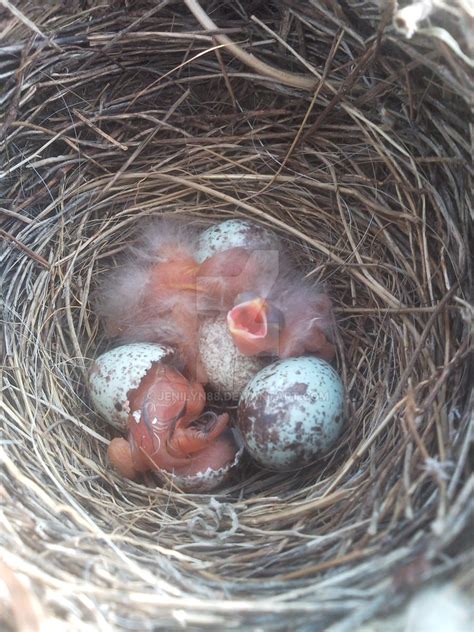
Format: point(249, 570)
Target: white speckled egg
point(291, 412)
point(234, 233)
point(228, 371)
point(116, 372)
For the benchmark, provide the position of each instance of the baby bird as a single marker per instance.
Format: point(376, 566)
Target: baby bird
point(167, 430)
point(270, 310)
point(290, 322)
point(152, 296)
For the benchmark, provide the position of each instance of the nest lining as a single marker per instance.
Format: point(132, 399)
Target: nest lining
point(365, 178)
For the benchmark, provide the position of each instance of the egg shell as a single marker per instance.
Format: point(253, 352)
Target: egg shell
point(234, 233)
point(291, 412)
point(116, 372)
point(228, 370)
point(202, 482)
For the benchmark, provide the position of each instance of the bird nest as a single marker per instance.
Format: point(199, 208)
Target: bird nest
point(326, 122)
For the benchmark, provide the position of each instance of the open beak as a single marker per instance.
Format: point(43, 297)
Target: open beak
point(255, 326)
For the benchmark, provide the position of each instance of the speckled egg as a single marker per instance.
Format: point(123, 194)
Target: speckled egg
point(116, 372)
point(228, 370)
point(234, 233)
point(292, 412)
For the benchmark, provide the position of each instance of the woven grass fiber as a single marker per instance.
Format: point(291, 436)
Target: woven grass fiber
point(325, 121)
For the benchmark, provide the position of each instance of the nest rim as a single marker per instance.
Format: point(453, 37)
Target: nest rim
point(392, 248)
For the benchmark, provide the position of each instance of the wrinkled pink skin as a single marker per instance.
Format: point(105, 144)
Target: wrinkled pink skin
point(167, 431)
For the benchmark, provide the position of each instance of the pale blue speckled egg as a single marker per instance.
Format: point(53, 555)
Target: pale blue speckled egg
point(292, 412)
point(116, 372)
point(235, 233)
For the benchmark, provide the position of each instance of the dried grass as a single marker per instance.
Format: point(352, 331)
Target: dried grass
point(119, 111)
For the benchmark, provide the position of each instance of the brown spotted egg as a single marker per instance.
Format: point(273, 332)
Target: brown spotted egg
point(114, 373)
point(228, 371)
point(291, 412)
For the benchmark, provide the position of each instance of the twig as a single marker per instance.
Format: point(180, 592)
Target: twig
point(96, 129)
point(287, 78)
point(29, 23)
point(38, 258)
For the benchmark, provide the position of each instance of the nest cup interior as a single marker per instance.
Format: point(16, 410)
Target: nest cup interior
point(137, 112)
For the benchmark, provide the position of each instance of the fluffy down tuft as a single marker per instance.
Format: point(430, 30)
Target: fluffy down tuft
point(139, 302)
